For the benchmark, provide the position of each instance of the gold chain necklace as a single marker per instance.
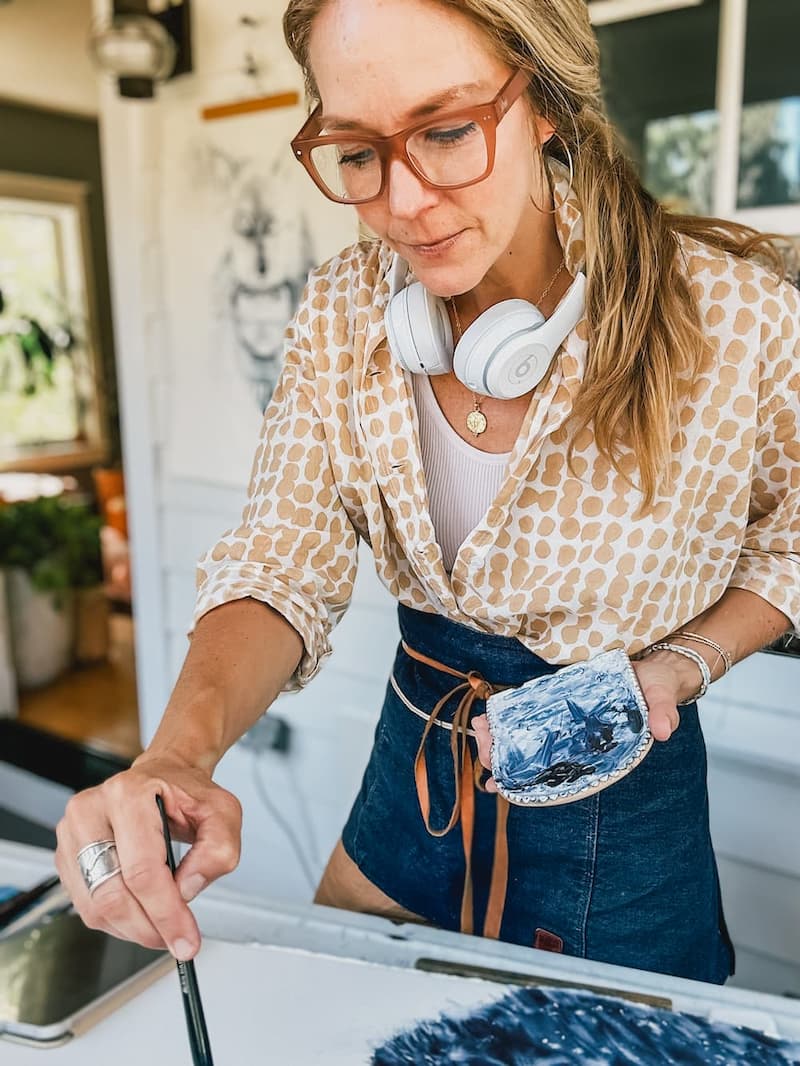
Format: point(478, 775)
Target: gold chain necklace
point(477, 422)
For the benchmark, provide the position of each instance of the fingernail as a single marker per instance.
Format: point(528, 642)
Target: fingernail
point(192, 886)
point(182, 950)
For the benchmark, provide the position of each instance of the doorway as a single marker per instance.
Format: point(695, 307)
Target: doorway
point(69, 710)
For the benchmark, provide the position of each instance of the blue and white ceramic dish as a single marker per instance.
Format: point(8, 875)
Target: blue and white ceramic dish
point(561, 737)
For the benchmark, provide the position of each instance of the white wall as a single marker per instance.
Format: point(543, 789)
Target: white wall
point(44, 58)
point(751, 718)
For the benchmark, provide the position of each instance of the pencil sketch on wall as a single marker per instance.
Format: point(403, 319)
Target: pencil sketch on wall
point(263, 265)
point(240, 230)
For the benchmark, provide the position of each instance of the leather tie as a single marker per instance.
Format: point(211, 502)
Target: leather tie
point(467, 777)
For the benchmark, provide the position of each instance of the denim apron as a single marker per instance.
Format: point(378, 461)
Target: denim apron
point(625, 876)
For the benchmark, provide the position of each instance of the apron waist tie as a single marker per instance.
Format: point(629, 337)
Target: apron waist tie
point(467, 777)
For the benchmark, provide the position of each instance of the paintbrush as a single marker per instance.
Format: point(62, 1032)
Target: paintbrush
point(190, 990)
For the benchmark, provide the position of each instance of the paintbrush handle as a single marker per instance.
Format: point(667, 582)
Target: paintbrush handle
point(195, 1019)
point(190, 990)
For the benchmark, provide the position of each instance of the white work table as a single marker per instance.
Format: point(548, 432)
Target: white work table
point(301, 985)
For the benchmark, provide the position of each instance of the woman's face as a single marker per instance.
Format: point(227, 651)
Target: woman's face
point(376, 64)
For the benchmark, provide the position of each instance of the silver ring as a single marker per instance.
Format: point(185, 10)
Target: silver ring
point(99, 862)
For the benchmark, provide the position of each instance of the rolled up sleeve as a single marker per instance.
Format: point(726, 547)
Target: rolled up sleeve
point(295, 549)
point(769, 562)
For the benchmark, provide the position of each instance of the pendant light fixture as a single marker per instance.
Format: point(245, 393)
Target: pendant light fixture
point(143, 42)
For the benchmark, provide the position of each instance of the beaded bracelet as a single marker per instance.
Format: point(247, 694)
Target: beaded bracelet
point(697, 659)
point(725, 656)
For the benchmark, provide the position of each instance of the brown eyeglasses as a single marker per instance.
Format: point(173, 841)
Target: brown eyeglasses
point(451, 152)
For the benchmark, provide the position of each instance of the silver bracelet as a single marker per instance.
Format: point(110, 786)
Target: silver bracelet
point(697, 659)
point(725, 656)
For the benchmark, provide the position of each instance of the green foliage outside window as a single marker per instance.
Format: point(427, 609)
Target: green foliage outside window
point(39, 394)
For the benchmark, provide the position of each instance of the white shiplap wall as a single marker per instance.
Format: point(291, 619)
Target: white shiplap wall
point(752, 718)
point(332, 720)
point(752, 726)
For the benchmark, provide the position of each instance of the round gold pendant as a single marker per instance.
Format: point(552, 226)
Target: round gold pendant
point(476, 422)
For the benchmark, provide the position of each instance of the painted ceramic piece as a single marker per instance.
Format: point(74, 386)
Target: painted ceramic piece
point(564, 736)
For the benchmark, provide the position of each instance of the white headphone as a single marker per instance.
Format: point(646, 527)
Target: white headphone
point(504, 353)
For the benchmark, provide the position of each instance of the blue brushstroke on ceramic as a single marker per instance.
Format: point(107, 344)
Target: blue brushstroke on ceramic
point(564, 1027)
point(560, 736)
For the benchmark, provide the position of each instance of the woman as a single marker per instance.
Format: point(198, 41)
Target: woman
point(643, 492)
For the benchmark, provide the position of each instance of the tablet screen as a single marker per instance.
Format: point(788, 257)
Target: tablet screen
point(58, 969)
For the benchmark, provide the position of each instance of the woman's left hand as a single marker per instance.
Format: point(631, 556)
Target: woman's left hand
point(662, 686)
point(663, 683)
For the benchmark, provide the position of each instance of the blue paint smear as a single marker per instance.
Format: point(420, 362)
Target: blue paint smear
point(564, 1027)
point(563, 734)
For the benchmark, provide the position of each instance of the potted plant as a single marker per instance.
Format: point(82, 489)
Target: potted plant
point(85, 562)
point(48, 548)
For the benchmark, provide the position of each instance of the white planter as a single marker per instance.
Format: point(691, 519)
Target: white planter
point(42, 629)
point(8, 677)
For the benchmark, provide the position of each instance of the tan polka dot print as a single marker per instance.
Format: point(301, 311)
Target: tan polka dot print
point(558, 561)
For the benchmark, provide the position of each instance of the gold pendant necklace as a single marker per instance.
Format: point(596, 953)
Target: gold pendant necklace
point(476, 419)
point(477, 422)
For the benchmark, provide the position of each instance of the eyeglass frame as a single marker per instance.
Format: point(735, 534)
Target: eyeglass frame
point(395, 146)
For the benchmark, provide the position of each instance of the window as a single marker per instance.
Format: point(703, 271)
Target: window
point(769, 168)
point(50, 397)
point(659, 80)
point(660, 74)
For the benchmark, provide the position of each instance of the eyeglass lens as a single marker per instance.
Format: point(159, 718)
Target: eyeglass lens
point(444, 154)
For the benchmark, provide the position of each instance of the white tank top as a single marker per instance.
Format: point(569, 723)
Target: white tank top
point(462, 481)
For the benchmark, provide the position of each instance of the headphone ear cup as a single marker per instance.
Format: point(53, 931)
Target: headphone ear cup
point(418, 330)
point(498, 354)
point(507, 349)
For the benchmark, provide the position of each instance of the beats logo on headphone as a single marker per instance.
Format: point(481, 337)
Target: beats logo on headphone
point(504, 353)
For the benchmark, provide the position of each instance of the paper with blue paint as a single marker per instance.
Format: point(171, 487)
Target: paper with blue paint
point(560, 737)
point(563, 1027)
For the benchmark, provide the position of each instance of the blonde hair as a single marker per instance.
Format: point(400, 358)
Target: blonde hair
point(645, 332)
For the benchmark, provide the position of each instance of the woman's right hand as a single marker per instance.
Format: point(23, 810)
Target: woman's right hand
point(144, 903)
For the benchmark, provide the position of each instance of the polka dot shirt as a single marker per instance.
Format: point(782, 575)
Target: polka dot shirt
point(559, 561)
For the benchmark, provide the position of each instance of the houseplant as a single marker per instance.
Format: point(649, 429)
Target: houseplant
point(49, 548)
point(84, 556)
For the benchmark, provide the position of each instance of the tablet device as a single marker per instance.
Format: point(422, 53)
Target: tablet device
point(58, 978)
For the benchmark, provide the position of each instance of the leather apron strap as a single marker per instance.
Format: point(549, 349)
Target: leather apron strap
point(467, 777)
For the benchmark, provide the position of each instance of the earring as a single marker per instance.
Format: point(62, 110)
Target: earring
point(554, 210)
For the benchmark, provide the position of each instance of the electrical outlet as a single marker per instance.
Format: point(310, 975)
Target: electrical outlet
point(269, 733)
